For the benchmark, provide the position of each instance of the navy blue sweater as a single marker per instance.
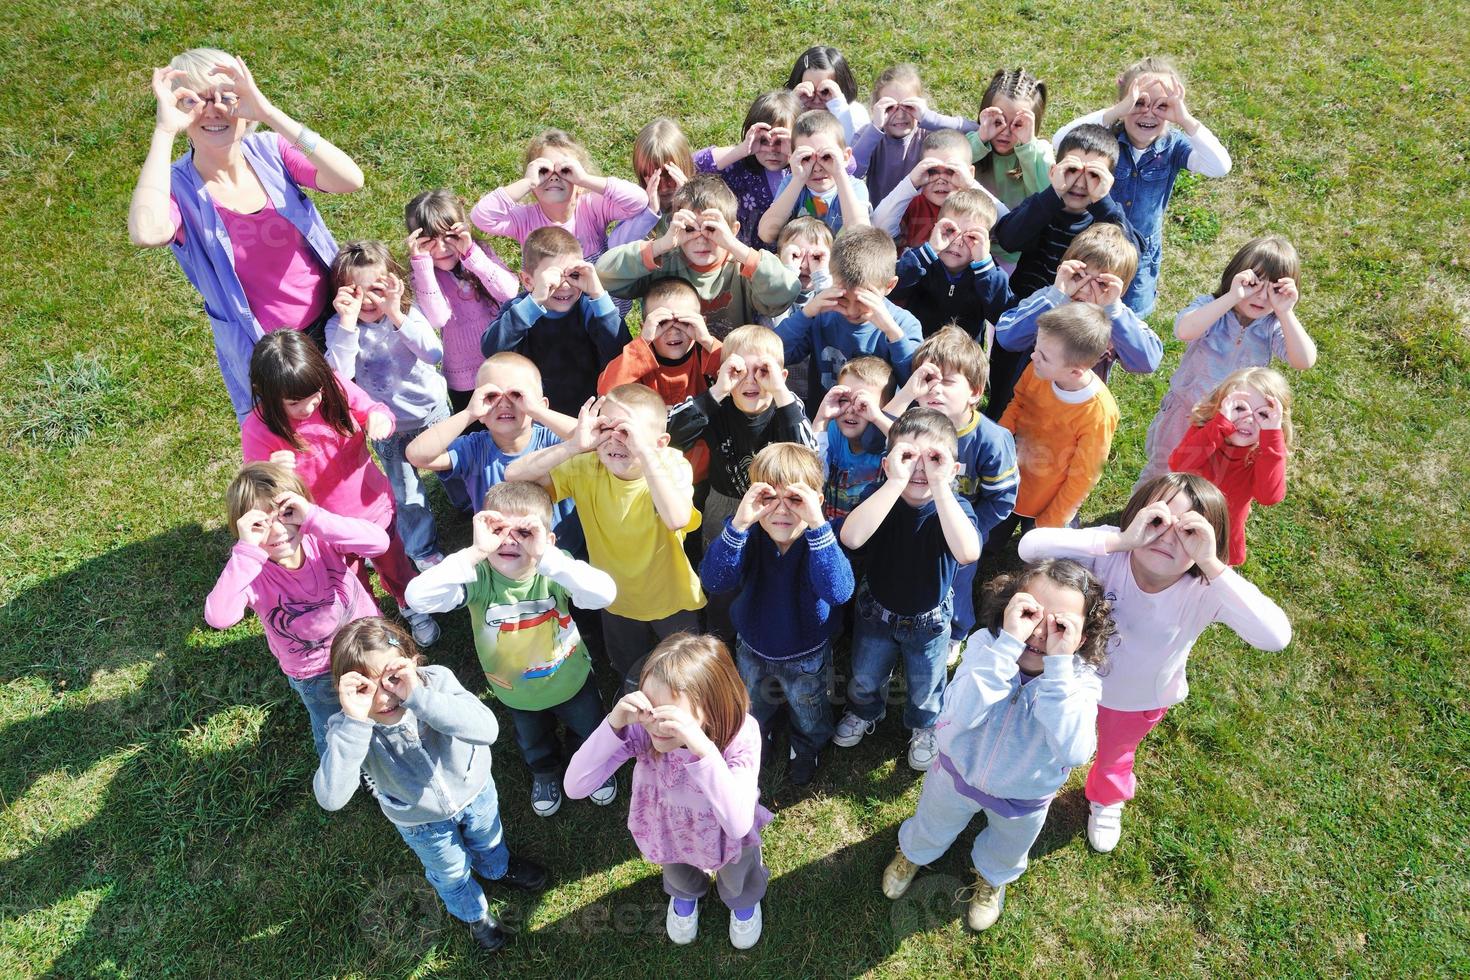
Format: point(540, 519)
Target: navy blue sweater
point(981, 291)
point(1041, 230)
point(784, 610)
point(570, 348)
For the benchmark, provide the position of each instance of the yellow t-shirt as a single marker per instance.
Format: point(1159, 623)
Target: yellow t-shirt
point(627, 539)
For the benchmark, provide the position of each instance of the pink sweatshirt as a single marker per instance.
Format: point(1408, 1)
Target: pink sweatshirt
point(1157, 630)
point(497, 214)
point(338, 470)
point(460, 312)
point(301, 609)
point(684, 810)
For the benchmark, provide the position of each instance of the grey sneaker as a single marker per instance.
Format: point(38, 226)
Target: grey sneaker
point(922, 749)
point(425, 628)
point(545, 794)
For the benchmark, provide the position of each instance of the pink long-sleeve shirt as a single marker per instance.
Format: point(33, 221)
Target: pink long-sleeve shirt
point(685, 810)
point(301, 608)
point(459, 311)
point(497, 214)
point(1156, 631)
point(337, 469)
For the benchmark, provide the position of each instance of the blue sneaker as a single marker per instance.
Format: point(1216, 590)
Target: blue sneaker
point(545, 794)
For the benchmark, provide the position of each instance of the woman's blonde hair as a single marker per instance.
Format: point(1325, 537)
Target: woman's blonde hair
point(1268, 382)
point(256, 487)
point(661, 142)
point(699, 667)
point(198, 66)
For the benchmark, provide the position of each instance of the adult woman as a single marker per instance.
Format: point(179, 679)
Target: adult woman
point(233, 208)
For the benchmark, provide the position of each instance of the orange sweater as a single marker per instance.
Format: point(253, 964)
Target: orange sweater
point(638, 364)
point(1062, 442)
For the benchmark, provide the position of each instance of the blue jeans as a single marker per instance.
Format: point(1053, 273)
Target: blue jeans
point(415, 520)
point(319, 695)
point(1142, 291)
point(879, 638)
point(536, 730)
point(449, 849)
point(800, 685)
point(964, 601)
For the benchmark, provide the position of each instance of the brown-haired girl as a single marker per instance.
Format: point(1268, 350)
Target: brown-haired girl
point(695, 806)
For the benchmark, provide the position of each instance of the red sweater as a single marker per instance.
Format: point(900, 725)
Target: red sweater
point(638, 364)
point(1243, 473)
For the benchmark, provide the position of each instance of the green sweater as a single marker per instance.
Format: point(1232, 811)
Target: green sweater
point(729, 295)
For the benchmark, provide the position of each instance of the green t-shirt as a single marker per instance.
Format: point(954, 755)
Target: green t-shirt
point(528, 643)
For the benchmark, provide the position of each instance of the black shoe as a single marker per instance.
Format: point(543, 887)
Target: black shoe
point(489, 934)
point(803, 768)
point(524, 874)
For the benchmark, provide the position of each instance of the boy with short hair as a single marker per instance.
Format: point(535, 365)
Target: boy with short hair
point(565, 322)
point(780, 555)
point(1064, 418)
point(951, 278)
point(911, 209)
point(735, 283)
point(914, 533)
point(520, 589)
point(818, 184)
point(805, 247)
point(852, 432)
point(635, 496)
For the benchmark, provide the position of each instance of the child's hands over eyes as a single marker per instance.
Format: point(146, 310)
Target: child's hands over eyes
point(253, 527)
point(355, 693)
point(875, 311)
point(1022, 615)
point(284, 457)
point(900, 462)
point(1023, 127)
point(348, 304)
point(808, 505)
point(650, 187)
point(1108, 289)
point(1270, 414)
point(1170, 101)
point(1071, 276)
point(945, 231)
point(835, 402)
point(633, 708)
point(672, 721)
point(712, 225)
point(417, 245)
point(292, 508)
point(459, 238)
point(533, 536)
point(538, 170)
point(1149, 524)
point(379, 426)
point(757, 502)
point(1236, 406)
point(390, 287)
point(1245, 284)
point(1064, 173)
point(823, 302)
point(1130, 99)
point(829, 91)
point(1063, 633)
point(753, 137)
point(1198, 538)
point(652, 321)
point(589, 432)
point(545, 281)
point(924, 171)
point(803, 160)
point(865, 406)
point(488, 530)
point(1099, 181)
point(1282, 295)
point(992, 122)
point(768, 374)
point(683, 225)
point(732, 372)
point(483, 401)
point(925, 377)
point(583, 275)
point(881, 110)
point(400, 678)
point(938, 466)
point(570, 170)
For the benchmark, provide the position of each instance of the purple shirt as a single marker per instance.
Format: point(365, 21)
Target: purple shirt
point(754, 187)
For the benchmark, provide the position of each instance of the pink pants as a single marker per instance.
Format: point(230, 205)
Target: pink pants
point(395, 569)
point(1118, 733)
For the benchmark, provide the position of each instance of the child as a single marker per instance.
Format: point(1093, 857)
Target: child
point(914, 533)
point(909, 211)
point(1150, 97)
point(290, 565)
point(950, 278)
point(458, 283)
point(854, 316)
point(779, 554)
point(735, 282)
point(1012, 162)
point(1063, 417)
point(695, 806)
point(818, 184)
point(309, 419)
point(886, 149)
point(635, 498)
point(566, 195)
point(1018, 715)
point(821, 79)
point(421, 743)
point(520, 589)
point(1166, 577)
point(754, 167)
point(391, 355)
point(1250, 320)
point(1239, 439)
point(1096, 268)
point(950, 371)
point(565, 321)
point(805, 247)
point(664, 163)
point(852, 432)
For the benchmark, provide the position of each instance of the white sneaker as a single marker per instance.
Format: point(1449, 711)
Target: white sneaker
point(851, 729)
point(607, 792)
point(744, 935)
point(683, 928)
point(1104, 826)
point(922, 749)
point(984, 902)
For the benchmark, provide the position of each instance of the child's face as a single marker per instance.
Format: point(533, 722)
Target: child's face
point(902, 120)
point(507, 420)
point(774, 152)
point(1247, 418)
point(365, 278)
point(677, 336)
point(283, 540)
point(853, 310)
point(1257, 304)
point(1145, 122)
point(701, 250)
point(782, 525)
point(960, 252)
point(1054, 600)
point(511, 559)
point(806, 257)
point(1165, 557)
point(614, 452)
point(942, 183)
point(829, 156)
point(816, 76)
point(442, 251)
point(1083, 188)
point(564, 296)
point(852, 423)
point(750, 395)
point(953, 396)
point(387, 707)
point(667, 185)
point(1049, 359)
point(1005, 141)
point(301, 409)
point(918, 491)
point(658, 695)
point(555, 189)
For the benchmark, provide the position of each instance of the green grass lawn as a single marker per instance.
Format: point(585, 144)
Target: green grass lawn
point(1303, 813)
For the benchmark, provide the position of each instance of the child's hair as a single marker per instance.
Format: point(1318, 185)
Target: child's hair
point(783, 463)
point(362, 253)
point(1104, 247)
point(556, 139)
point(945, 141)
point(699, 667)
point(777, 109)
point(1205, 500)
point(660, 291)
point(1270, 257)
point(821, 57)
point(1084, 330)
point(969, 204)
point(520, 498)
point(753, 339)
point(257, 486)
point(548, 242)
point(873, 370)
point(1098, 628)
point(863, 257)
point(1152, 65)
point(1267, 381)
point(807, 229)
point(437, 211)
point(704, 191)
point(1091, 138)
point(925, 422)
point(1018, 85)
point(507, 358)
point(362, 638)
point(819, 122)
point(904, 73)
point(658, 143)
point(286, 366)
point(955, 352)
point(641, 400)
